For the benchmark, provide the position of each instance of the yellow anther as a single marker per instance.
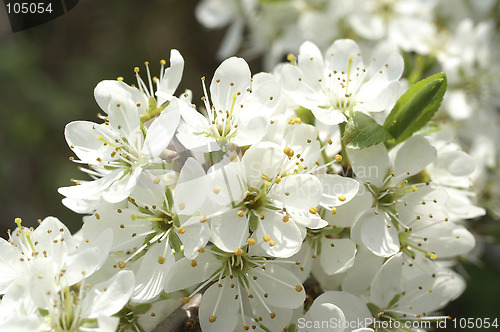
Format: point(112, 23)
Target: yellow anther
point(201, 250)
point(146, 63)
point(119, 79)
point(334, 210)
point(265, 176)
point(313, 210)
point(194, 263)
point(136, 69)
point(342, 198)
point(240, 213)
point(203, 218)
point(161, 259)
point(266, 238)
point(163, 62)
point(338, 158)
point(298, 288)
point(238, 252)
point(271, 243)
point(186, 299)
point(286, 218)
point(181, 230)
point(122, 265)
point(273, 315)
point(289, 152)
point(182, 206)
point(212, 319)
point(251, 241)
point(216, 190)
point(434, 256)
point(277, 180)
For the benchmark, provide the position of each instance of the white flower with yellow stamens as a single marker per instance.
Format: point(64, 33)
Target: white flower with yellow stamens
point(120, 149)
point(249, 289)
point(339, 83)
point(239, 111)
point(259, 196)
point(396, 298)
point(49, 273)
point(156, 222)
point(405, 216)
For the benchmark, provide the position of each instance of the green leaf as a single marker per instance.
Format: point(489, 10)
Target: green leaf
point(142, 308)
point(416, 108)
point(362, 131)
point(253, 222)
point(429, 128)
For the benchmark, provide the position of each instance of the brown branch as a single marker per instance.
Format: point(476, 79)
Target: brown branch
point(184, 318)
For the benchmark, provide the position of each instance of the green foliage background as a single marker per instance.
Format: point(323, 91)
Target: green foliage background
point(47, 77)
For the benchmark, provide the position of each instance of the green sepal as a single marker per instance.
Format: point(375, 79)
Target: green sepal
point(305, 115)
point(331, 231)
point(362, 131)
point(374, 309)
point(90, 323)
point(142, 308)
point(174, 241)
point(170, 198)
point(253, 222)
point(416, 108)
point(394, 300)
point(43, 312)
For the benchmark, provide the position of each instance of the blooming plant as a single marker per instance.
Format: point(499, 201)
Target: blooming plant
point(338, 170)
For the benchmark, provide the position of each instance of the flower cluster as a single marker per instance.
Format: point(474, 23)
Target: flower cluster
point(326, 172)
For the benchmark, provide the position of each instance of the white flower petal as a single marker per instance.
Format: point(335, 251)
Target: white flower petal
point(280, 285)
point(337, 56)
point(310, 61)
point(387, 282)
point(415, 154)
point(360, 275)
point(320, 312)
point(195, 237)
point(153, 269)
point(379, 235)
point(353, 308)
point(370, 164)
point(287, 236)
point(82, 138)
point(232, 76)
point(335, 186)
point(229, 231)
point(121, 189)
point(171, 77)
point(260, 159)
point(109, 297)
point(184, 275)
point(162, 130)
point(337, 255)
point(89, 189)
point(348, 213)
point(219, 302)
point(191, 189)
point(301, 191)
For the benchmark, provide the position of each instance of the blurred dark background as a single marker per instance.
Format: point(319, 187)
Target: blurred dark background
point(47, 77)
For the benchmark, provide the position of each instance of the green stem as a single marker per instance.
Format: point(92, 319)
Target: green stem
point(345, 159)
